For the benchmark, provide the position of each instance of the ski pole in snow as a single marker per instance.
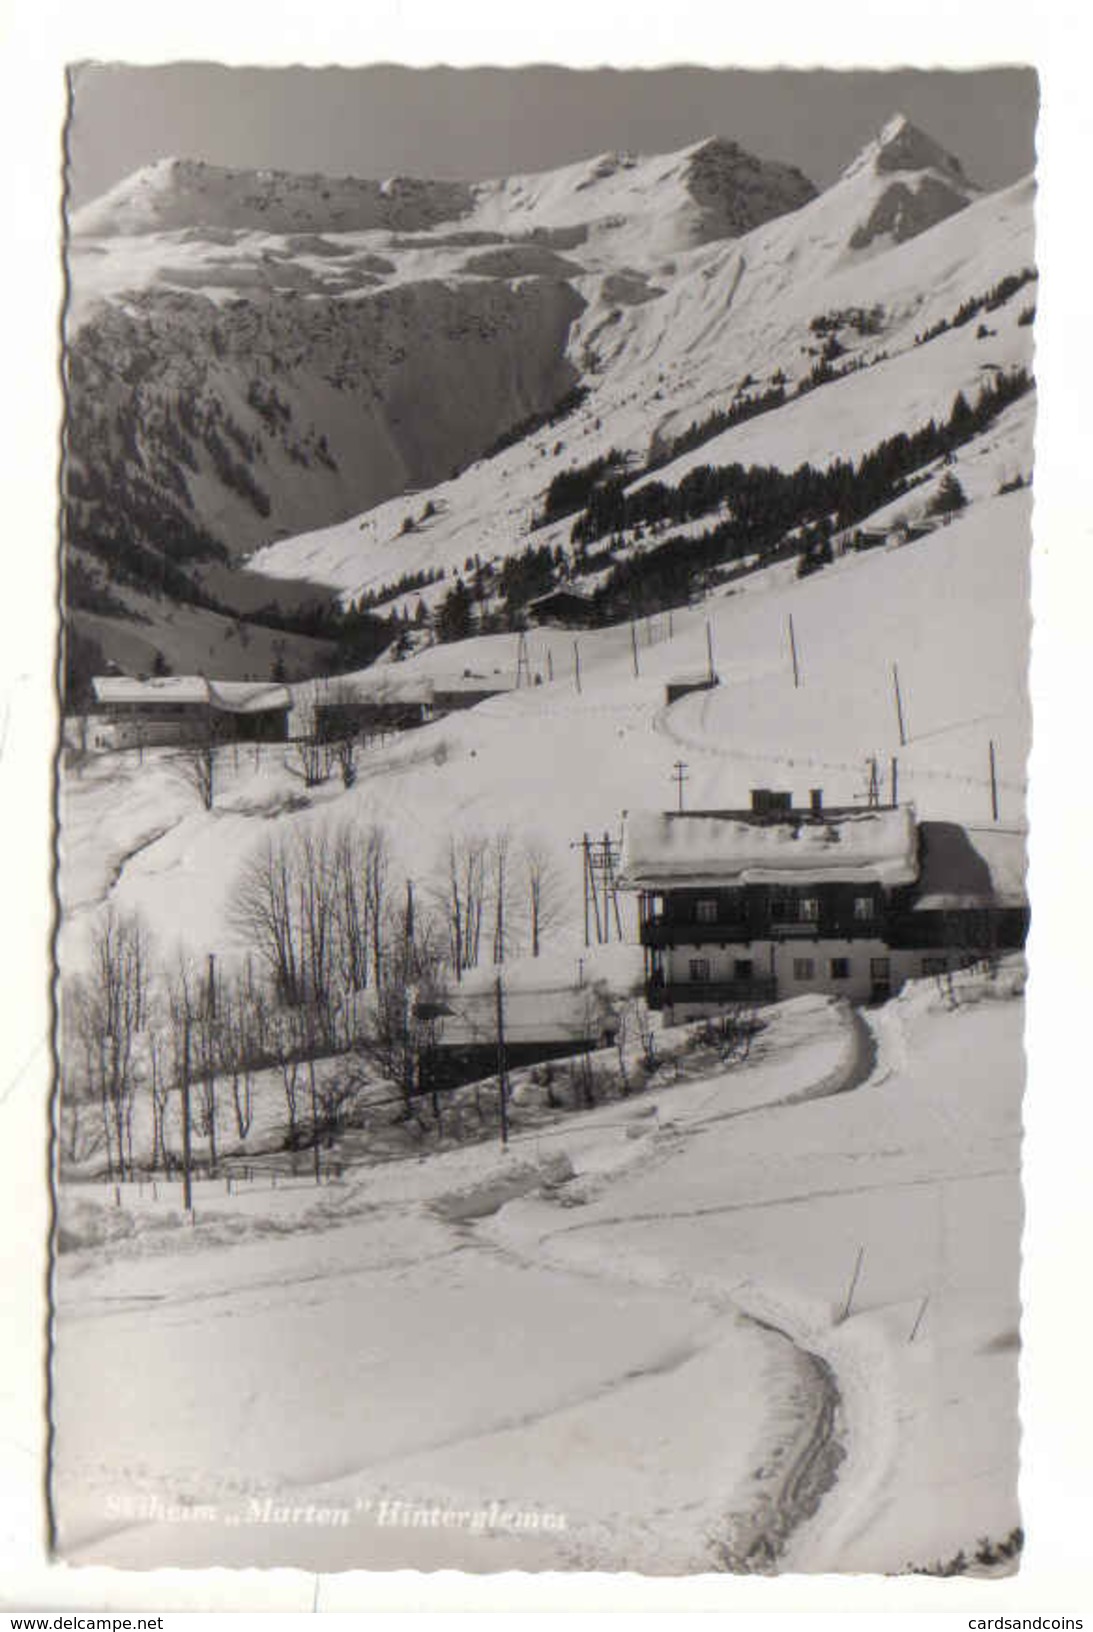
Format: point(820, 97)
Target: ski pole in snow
point(793, 653)
point(918, 1318)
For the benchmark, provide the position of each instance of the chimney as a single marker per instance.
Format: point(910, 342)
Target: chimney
point(816, 800)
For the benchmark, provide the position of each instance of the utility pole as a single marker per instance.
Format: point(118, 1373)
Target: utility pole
point(577, 665)
point(711, 672)
point(994, 785)
point(793, 653)
point(680, 769)
point(523, 663)
point(606, 864)
point(187, 1184)
point(899, 707)
point(502, 1069)
point(634, 648)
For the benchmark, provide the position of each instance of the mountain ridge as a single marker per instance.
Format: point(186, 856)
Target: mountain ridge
point(230, 386)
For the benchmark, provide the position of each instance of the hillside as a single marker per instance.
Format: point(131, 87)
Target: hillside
point(247, 354)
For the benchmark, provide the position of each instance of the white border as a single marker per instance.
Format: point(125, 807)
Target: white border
point(37, 41)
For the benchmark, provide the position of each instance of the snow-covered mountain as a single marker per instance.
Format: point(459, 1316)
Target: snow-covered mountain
point(252, 356)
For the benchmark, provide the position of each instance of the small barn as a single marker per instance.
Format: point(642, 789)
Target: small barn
point(540, 1025)
point(174, 709)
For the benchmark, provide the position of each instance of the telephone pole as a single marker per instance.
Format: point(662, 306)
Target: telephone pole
point(502, 1064)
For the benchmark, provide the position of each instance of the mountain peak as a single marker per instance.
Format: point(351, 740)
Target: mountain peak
point(902, 146)
point(907, 182)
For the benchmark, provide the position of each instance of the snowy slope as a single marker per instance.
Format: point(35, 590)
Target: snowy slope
point(730, 312)
point(650, 1353)
point(951, 610)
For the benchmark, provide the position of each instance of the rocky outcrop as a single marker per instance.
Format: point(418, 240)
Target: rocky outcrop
point(736, 191)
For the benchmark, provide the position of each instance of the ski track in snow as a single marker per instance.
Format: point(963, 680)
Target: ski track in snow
point(811, 1455)
point(757, 1541)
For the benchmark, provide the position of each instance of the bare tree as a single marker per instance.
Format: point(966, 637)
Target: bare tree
point(263, 909)
point(542, 891)
point(159, 1087)
point(375, 891)
point(209, 1055)
point(350, 868)
point(309, 756)
point(109, 1010)
point(196, 763)
point(499, 867)
point(464, 894)
point(286, 1042)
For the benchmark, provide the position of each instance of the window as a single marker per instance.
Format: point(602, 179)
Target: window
point(743, 969)
point(935, 966)
point(706, 911)
point(700, 968)
point(804, 969)
point(809, 909)
point(864, 907)
point(880, 968)
point(840, 968)
point(778, 906)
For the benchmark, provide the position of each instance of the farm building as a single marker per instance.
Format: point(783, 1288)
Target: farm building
point(539, 1025)
point(376, 703)
point(761, 904)
point(172, 709)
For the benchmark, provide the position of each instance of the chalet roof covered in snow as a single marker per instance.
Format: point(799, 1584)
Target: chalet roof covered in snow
point(968, 867)
point(666, 849)
point(572, 1015)
point(229, 696)
point(168, 688)
point(248, 696)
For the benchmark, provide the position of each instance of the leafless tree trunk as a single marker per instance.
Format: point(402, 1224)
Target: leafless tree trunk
point(499, 857)
point(196, 763)
point(263, 910)
point(285, 1038)
point(542, 892)
point(109, 1012)
point(349, 863)
point(375, 892)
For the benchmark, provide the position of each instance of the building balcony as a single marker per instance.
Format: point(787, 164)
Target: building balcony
point(674, 932)
point(713, 993)
point(659, 932)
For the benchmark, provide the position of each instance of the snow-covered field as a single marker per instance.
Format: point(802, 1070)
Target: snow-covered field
point(644, 1366)
point(753, 1315)
point(547, 761)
